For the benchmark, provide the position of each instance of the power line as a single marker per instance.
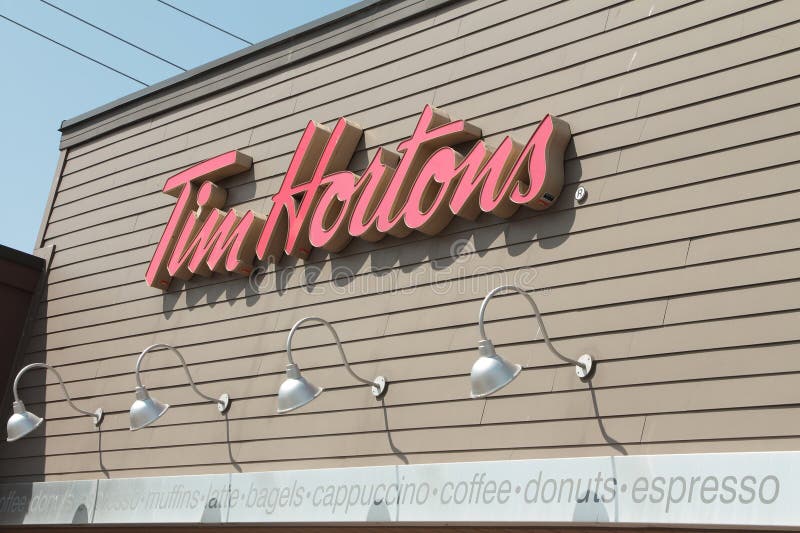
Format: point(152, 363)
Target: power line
point(93, 60)
point(204, 21)
point(148, 52)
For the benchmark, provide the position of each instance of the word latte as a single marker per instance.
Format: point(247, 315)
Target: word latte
point(321, 204)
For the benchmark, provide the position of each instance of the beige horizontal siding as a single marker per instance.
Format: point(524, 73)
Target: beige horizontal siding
point(85, 352)
point(402, 307)
point(475, 274)
point(84, 378)
point(590, 138)
point(665, 175)
point(599, 221)
point(260, 375)
point(288, 141)
point(679, 274)
point(540, 402)
point(680, 173)
point(740, 135)
point(765, 359)
point(772, 152)
point(336, 110)
point(102, 353)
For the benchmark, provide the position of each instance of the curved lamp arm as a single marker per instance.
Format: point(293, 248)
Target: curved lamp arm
point(223, 401)
point(97, 415)
point(378, 386)
point(584, 363)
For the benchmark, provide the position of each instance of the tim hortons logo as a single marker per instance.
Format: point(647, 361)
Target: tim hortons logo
point(321, 204)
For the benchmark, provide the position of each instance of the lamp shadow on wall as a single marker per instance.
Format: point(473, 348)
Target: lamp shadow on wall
point(397, 451)
point(233, 460)
point(218, 289)
point(608, 438)
point(592, 509)
point(103, 468)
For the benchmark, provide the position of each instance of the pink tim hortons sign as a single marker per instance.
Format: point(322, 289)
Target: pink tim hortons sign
point(321, 204)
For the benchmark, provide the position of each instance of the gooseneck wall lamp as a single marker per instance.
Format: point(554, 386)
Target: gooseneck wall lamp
point(146, 410)
point(491, 372)
point(296, 391)
point(23, 421)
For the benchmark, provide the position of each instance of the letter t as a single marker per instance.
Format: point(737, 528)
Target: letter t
point(183, 186)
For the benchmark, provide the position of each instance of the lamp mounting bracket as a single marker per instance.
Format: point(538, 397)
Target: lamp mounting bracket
point(224, 403)
point(585, 366)
point(378, 388)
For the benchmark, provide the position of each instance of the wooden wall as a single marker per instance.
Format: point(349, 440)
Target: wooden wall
point(20, 274)
point(680, 272)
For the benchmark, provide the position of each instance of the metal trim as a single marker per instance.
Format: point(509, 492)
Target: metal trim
point(51, 198)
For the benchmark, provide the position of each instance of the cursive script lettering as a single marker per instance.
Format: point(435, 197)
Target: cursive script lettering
point(321, 204)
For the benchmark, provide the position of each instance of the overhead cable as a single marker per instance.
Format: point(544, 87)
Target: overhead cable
point(204, 21)
point(93, 60)
point(117, 37)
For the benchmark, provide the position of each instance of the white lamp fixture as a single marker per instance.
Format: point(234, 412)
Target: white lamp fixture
point(296, 391)
point(146, 410)
point(23, 421)
point(491, 372)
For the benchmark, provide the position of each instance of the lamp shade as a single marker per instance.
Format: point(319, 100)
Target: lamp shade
point(145, 410)
point(21, 422)
point(295, 391)
point(490, 372)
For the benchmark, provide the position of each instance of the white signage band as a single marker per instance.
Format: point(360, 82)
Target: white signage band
point(730, 489)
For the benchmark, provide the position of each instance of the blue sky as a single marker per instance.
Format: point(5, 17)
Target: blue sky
point(43, 84)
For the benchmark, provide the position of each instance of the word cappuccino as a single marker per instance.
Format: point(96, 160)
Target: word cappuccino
point(321, 204)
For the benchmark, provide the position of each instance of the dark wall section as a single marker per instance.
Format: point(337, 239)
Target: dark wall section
point(19, 275)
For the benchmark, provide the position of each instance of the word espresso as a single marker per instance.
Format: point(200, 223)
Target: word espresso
point(320, 204)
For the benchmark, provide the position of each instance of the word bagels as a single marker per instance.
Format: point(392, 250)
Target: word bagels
point(321, 204)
